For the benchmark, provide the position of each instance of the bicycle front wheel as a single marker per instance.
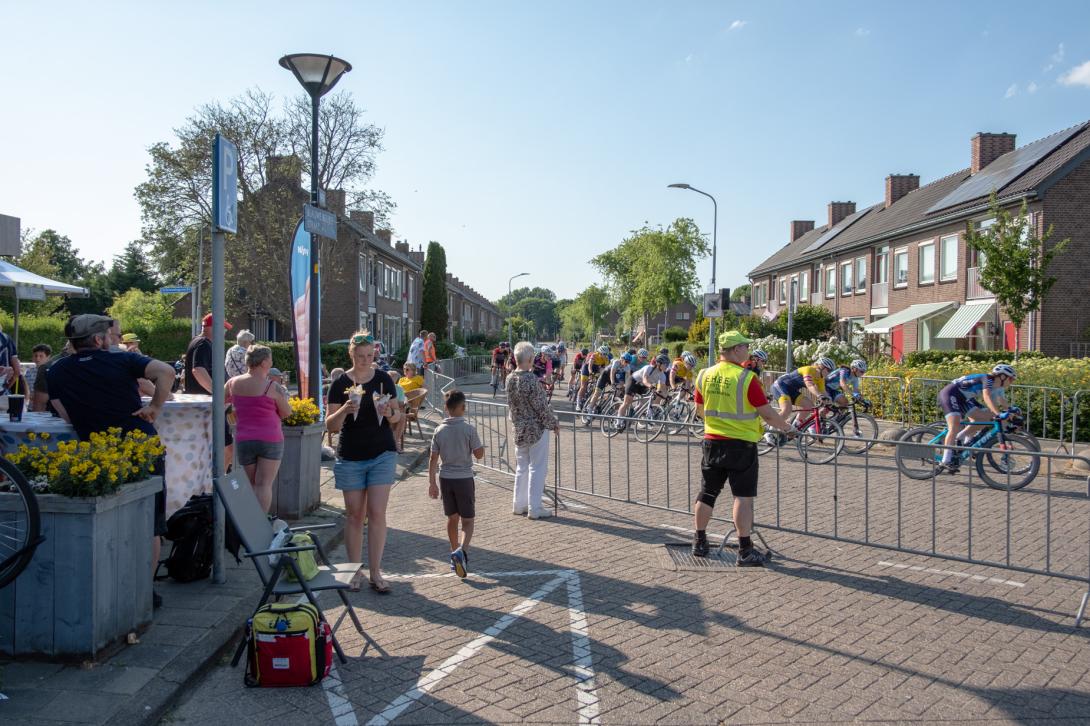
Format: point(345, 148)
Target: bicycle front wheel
point(20, 523)
point(822, 446)
point(916, 455)
point(611, 426)
point(677, 415)
point(651, 424)
point(861, 432)
point(1011, 467)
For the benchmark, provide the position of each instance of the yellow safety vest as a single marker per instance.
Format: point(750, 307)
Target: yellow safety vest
point(727, 410)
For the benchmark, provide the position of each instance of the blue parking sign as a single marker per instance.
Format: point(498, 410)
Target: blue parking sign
point(224, 185)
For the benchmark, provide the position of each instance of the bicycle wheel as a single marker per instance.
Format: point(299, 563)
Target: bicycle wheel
point(677, 415)
point(764, 446)
point(861, 433)
point(916, 457)
point(20, 524)
point(651, 423)
point(1003, 468)
point(609, 424)
point(818, 448)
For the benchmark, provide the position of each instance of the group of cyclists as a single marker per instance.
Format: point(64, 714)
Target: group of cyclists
point(974, 397)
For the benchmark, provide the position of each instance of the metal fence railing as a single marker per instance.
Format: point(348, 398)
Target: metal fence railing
point(864, 499)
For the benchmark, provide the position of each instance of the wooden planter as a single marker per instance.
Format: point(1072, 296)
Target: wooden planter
point(89, 583)
point(297, 489)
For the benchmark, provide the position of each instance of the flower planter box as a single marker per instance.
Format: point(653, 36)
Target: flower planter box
point(297, 489)
point(89, 583)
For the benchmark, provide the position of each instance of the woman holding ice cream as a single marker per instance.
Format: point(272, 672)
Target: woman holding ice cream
point(362, 407)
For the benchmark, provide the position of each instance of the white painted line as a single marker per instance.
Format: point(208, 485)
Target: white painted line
point(686, 530)
point(583, 661)
point(952, 573)
point(488, 575)
point(343, 712)
point(430, 681)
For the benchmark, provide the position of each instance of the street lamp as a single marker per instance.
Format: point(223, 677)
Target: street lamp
point(317, 74)
point(511, 339)
point(715, 232)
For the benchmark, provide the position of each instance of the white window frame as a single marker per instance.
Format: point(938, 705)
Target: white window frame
point(804, 286)
point(943, 242)
point(363, 273)
point(830, 290)
point(782, 285)
point(847, 290)
point(880, 253)
point(412, 281)
point(900, 251)
point(860, 280)
point(793, 282)
point(921, 247)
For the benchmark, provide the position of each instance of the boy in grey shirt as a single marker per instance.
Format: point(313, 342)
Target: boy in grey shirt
point(453, 447)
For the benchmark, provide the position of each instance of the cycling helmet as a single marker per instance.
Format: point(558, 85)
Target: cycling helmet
point(688, 359)
point(603, 349)
point(584, 351)
point(860, 365)
point(826, 363)
point(629, 358)
point(642, 353)
point(759, 355)
point(664, 351)
point(1003, 369)
point(561, 347)
point(662, 360)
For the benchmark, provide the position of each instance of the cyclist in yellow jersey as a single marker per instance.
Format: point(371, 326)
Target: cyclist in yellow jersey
point(804, 386)
point(592, 366)
point(681, 372)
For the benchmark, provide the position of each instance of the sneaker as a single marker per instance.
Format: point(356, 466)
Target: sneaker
point(772, 439)
point(518, 512)
point(952, 467)
point(457, 560)
point(700, 545)
point(752, 558)
point(541, 514)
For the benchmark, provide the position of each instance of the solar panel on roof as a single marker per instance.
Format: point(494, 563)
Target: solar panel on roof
point(830, 233)
point(1004, 170)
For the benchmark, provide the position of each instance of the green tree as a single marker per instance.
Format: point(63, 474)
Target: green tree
point(513, 297)
point(587, 312)
point(811, 323)
point(131, 270)
point(137, 308)
point(53, 255)
point(1016, 261)
point(522, 328)
point(433, 295)
point(541, 312)
point(740, 293)
point(654, 268)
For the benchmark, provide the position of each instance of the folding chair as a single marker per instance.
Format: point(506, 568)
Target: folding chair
point(256, 534)
point(414, 400)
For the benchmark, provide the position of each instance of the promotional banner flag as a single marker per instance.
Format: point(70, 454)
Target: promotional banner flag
point(300, 299)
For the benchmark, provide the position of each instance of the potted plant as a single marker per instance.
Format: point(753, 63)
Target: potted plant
point(89, 583)
point(297, 489)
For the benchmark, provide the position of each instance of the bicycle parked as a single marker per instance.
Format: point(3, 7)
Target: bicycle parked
point(20, 523)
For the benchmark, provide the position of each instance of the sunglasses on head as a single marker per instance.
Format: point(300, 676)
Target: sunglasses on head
point(362, 339)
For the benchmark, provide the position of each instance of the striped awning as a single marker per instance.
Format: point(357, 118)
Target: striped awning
point(914, 312)
point(965, 319)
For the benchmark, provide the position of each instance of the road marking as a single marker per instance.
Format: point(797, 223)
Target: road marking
point(952, 573)
point(431, 680)
point(485, 575)
point(686, 530)
point(583, 663)
point(343, 712)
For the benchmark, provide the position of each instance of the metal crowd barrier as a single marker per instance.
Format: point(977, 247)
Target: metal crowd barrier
point(1045, 408)
point(864, 499)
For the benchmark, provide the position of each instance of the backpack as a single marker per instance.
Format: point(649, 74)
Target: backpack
point(287, 645)
point(190, 530)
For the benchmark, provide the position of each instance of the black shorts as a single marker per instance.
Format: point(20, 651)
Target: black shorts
point(636, 389)
point(159, 527)
point(728, 460)
point(603, 380)
point(952, 400)
point(459, 497)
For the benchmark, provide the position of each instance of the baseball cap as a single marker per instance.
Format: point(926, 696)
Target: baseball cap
point(82, 326)
point(275, 372)
point(731, 338)
point(130, 338)
point(207, 322)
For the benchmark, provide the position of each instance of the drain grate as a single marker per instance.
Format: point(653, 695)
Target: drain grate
point(679, 558)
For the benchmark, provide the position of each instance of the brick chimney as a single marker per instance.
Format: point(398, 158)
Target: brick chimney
point(334, 201)
point(989, 147)
point(284, 169)
point(364, 219)
point(799, 227)
point(898, 185)
point(838, 211)
point(402, 247)
point(385, 235)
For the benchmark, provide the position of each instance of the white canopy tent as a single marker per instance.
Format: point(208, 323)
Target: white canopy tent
point(31, 286)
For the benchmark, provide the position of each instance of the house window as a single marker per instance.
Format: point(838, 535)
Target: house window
point(881, 265)
point(900, 267)
point(846, 280)
point(830, 281)
point(363, 273)
point(679, 317)
point(783, 291)
point(948, 260)
point(927, 264)
point(804, 287)
point(860, 274)
point(412, 280)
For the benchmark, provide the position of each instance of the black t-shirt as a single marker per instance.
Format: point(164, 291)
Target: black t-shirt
point(364, 437)
point(99, 391)
point(197, 355)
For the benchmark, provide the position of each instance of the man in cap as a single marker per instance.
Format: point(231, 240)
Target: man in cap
point(198, 376)
point(95, 389)
point(130, 342)
point(732, 403)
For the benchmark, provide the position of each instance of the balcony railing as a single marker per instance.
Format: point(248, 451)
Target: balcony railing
point(815, 298)
point(973, 288)
point(879, 295)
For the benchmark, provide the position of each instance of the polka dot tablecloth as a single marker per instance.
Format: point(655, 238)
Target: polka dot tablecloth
point(14, 433)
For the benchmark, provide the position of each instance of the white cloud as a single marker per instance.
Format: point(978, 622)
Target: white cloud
point(862, 32)
point(1077, 76)
point(1032, 87)
point(1012, 91)
point(738, 24)
point(689, 58)
point(1056, 58)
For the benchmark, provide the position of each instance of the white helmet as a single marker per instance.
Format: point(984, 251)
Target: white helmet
point(826, 363)
point(860, 365)
point(1003, 369)
point(548, 349)
point(642, 353)
point(688, 359)
point(603, 349)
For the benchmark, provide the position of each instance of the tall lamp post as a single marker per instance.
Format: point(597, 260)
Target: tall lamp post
point(510, 339)
point(317, 74)
point(715, 232)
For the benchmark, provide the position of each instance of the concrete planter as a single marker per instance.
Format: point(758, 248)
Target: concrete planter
point(89, 583)
point(297, 489)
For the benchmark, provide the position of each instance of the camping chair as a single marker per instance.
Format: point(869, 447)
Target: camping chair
point(256, 534)
point(413, 401)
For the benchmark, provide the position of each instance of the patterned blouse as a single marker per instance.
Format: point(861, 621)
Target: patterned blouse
point(235, 363)
point(530, 411)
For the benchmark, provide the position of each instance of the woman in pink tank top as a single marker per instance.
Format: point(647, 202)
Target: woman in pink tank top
point(260, 405)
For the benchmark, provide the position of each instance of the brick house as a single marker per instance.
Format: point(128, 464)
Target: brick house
point(901, 271)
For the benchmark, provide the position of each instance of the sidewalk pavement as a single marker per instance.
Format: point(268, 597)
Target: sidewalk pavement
point(198, 624)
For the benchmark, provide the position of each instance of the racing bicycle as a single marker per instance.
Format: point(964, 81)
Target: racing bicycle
point(20, 522)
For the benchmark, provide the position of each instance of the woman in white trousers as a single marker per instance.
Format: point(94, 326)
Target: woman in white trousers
point(531, 417)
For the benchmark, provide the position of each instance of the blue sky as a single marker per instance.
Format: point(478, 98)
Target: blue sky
point(532, 136)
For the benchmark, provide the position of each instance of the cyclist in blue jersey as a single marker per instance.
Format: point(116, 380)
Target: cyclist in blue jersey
point(618, 371)
point(961, 399)
point(838, 383)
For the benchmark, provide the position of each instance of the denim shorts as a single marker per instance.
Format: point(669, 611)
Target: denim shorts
point(355, 475)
